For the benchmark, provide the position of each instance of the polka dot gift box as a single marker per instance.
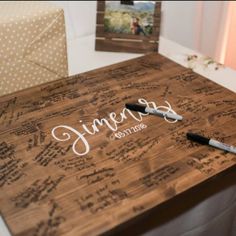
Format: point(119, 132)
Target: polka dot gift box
point(32, 45)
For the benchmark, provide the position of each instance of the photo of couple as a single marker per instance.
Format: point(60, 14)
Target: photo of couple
point(134, 18)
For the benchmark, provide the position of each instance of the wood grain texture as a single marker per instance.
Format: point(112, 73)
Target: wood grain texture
point(46, 189)
point(106, 41)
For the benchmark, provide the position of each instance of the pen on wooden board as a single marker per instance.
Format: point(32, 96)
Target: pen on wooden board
point(208, 141)
point(143, 109)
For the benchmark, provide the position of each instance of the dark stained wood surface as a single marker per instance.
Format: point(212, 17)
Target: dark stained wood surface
point(47, 189)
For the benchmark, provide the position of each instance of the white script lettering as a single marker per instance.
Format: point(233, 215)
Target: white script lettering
point(64, 135)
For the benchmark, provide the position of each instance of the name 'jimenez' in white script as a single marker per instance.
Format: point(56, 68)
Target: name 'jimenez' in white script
point(60, 132)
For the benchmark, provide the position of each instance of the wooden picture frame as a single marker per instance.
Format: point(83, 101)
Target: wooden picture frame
point(127, 42)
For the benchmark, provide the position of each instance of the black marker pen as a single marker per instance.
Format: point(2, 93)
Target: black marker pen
point(139, 108)
point(207, 141)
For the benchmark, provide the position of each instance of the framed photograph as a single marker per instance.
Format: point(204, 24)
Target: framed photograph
point(128, 26)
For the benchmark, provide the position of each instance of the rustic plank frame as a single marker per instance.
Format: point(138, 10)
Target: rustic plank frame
point(116, 42)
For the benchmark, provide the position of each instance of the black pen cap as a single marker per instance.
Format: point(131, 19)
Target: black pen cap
point(198, 138)
point(135, 107)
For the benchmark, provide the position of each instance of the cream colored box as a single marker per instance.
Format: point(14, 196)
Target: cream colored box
point(32, 45)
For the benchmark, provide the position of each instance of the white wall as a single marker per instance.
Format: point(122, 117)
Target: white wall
point(193, 24)
point(211, 22)
point(178, 22)
point(80, 17)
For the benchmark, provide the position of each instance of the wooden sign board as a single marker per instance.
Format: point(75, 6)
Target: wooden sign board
point(126, 28)
point(73, 161)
